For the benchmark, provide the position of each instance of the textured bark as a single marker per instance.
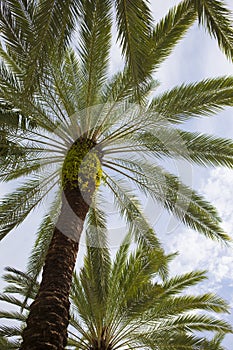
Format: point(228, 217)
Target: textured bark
point(49, 313)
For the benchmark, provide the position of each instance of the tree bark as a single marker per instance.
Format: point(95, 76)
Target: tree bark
point(49, 313)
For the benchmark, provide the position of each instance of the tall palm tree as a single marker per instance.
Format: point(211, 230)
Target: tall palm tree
point(127, 303)
point(90, 134)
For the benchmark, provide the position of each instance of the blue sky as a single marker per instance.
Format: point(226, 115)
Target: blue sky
point(195, 57)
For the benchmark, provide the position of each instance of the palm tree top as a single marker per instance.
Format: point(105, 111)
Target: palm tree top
point(76, 103)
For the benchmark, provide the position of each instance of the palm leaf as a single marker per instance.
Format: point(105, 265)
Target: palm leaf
point(134, 33)
point(53, 23)
point(188, 206)
point(12, 18)
point(195, 147)
point(170, 30)
point(7, 345)
point(130, 209)
point(94, 48)
point(14, 209)
point(97, 263)
point(197, 323)
point(193, 100)
point(217, 19)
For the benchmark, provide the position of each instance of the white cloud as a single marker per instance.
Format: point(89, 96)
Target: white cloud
point(219, 189)
point(198, 252)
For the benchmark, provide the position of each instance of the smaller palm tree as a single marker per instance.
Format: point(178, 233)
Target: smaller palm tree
point(127, 303)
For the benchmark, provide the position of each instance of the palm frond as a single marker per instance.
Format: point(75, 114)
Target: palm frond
point(182, 304)
point(193, 100)
point(170, 30)
point(12, 316)
point(186, 204)
point(18, 282)
point(130, 209)
point(53, 23)
point(203, 149)
point(17, 39)
point(134, 33)
point(7, 331)
point(172, 341)
point(217, 19)
point(15, 208)
point(94, 48)
point(177, 284)
point(214, 343)
point(9, 118)
point(97, 263)
point(80, 296)
point(67, 80)
point(8, 345)
point(197, 323)
point(134, 279)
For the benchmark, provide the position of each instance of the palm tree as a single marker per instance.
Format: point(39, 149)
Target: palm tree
point(128, 303)
point(77, 149)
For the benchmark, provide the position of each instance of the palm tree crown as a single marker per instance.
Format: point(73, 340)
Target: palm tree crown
point(127, 303)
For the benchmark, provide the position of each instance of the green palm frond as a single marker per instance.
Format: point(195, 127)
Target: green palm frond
point(217, 19)
point(214, 343)
point(135, 280)
point(197, 323)
point(134, 33)
point(170, 30)
point(97, 263)
point(40, 248)
point(14, 209)
point(8, 345)
point(174, 341)
point(196, 147)
point(188, 206)
point(10, 335)
point(130, 209)
point(80, 298)
point(53, 22)
point(18, 283)
point(94, 48)
point(13, 316)
point(67, 80)
point(8, 116)
point(164, 342)
point(183, 304)
point(12, 300)
point(15, 29)
point(193, 100)
point(10, 61)
point(118, 87)
point(32, 30)
point(177, 284)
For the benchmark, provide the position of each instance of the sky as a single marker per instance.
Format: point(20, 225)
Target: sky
point(195, 57)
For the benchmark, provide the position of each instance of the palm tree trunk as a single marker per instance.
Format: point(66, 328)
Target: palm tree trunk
point(49, 313)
